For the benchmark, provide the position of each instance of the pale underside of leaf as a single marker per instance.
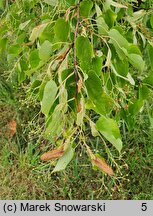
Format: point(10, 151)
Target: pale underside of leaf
point(49, 96)
point(37, 31)
point(118, 5)
point(51, 2)
point(127, 78)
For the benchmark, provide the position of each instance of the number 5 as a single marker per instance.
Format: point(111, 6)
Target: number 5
point(144, 207)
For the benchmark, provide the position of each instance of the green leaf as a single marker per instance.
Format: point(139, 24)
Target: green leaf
point(122, 67)
point(134, 55)
point(23, 25)
point(11, 58)
point(102, 26)
point(103, 104)
point(35, 69)
point(65, 76)
point(110, 130)
point(94, 86)
point(117, 39)
point(34, 58)
point(63, 98)
point(110, 17)
point(98, 10)
point(129, 119)
point(3, 43)
point(136, 107)
point(149, 80)
point(55, 127)
point(35, 86)
point(21, 38)
point(150, 54)
point(47, 34)
point(127, 78)
point(51, 2)
point(97, 65)
point(64, 160)
point(133, 49)
point(70, 2)
point(115, 4)
point(85, 8)
point(49, 96)
point(151, 20)
point(21, 68)
point(144, 92)
point(37, 31)
point(42, 87)
point(84, 49)
point(61, 30)
point(119, 42)
point(136, 61)
point(1, 4)
point(45, 50)
point(14, 49)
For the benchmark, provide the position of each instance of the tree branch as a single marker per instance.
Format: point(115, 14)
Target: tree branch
point(75, 57)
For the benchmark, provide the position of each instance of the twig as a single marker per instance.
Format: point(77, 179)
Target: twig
point(75, 57)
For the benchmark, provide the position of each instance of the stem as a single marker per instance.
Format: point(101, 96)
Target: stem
point(75, 57)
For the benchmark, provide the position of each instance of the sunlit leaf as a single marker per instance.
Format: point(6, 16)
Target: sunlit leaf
point(85, 8)
point(64, 160)
point(119, 42)
point(37, 31)
point(102, 26)
point(49, 95)
point(83, 44)
point(23, 25)
point(61, 29)
point(110, 17)
point(110, 130)
point(136, 61)
point(34, 58)
point(136, 107)
point(104, 104)
point(51, 2)
point(118, 5)
point(45, 50)
point(54, 127)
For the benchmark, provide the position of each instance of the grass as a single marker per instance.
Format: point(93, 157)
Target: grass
point(24, 176)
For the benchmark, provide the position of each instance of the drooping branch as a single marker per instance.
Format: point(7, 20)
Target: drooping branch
point(75, 57)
